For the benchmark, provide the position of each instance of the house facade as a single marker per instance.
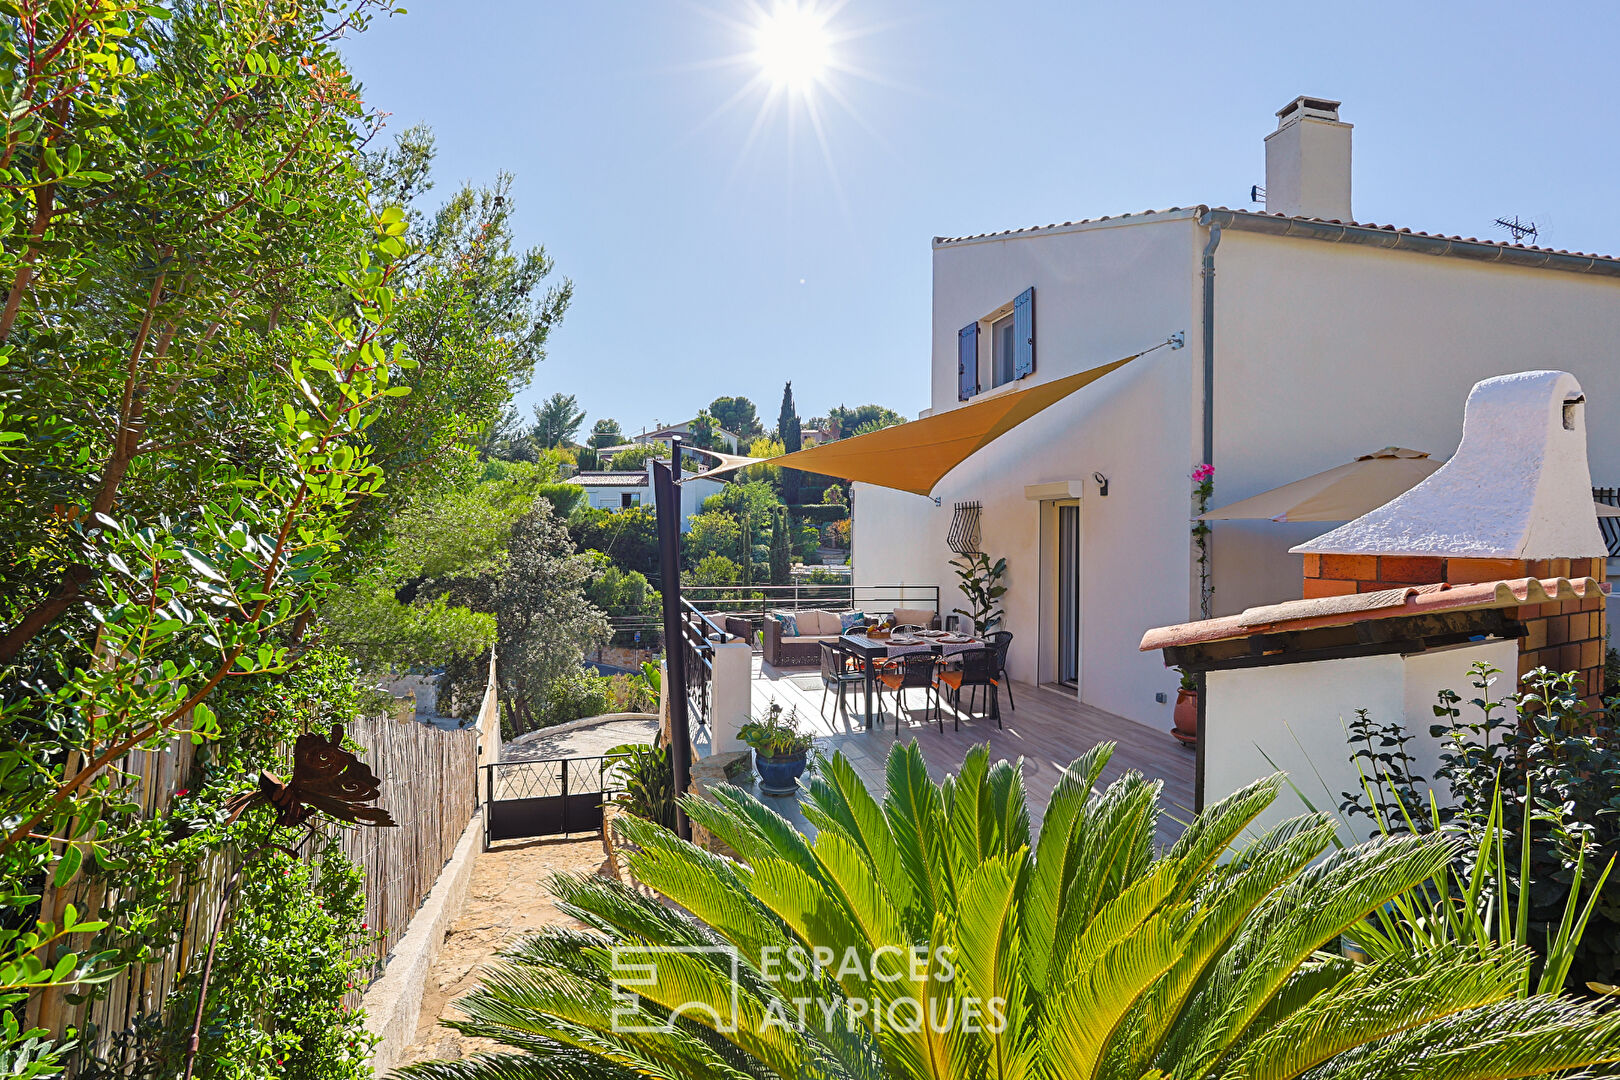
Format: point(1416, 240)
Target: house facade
point(1309, 340)
point(617, 491)
point(730, 442)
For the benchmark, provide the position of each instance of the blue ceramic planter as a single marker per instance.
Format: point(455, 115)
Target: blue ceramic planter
point(780, 776)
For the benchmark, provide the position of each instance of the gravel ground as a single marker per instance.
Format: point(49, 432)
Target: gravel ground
point(508, 898)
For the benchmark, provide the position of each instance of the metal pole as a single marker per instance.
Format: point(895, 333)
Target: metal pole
point(667, 496)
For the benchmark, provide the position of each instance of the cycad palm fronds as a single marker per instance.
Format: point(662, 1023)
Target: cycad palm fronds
point(930, 934)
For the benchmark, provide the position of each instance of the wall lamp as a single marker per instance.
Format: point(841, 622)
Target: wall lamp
point(1102, 483)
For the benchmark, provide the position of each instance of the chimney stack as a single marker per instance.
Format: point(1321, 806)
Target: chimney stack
point(1308, 161)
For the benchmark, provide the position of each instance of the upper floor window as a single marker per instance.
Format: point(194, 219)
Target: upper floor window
point(1011, 355)
point(1002, 347)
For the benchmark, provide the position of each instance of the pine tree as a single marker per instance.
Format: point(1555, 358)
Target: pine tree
point(787, 430)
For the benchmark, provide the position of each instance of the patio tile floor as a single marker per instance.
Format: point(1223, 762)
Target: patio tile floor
point(1048, 729)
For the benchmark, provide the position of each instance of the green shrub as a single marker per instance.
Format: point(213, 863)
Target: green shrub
point(1553, 765)
point(647, 776)
point(822, 513)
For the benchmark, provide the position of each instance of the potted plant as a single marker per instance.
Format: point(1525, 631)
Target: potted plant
point(1186, 712)
point(981, 584)
point(780, 749)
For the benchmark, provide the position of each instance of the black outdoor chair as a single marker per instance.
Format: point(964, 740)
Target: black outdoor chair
point(836, 672)
point(978, 669)
point(909, 671)
point(1001, 642)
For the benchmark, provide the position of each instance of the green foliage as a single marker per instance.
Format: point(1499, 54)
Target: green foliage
point(713, 532)
point(763, 446)
point(565, 498)
point(295, 948)
point(715, 570)
point(622, 594)
point(646, 778)
point(628, 537)
point(474, 312)
point(1535, 772)
point(822, 513)
point(981, 584)
point(1080, 948)
point(635, 458)
point(789, 434)
point(705, 431)
point(738, 416)
point(605, 432)
point(775, 735)
point(567, 696)
point(557, 421)
point(862, 419)
point(781, 549)
point(546, 621)
point(397, 615)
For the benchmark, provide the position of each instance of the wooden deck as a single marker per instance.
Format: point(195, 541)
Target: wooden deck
point(1048, 729)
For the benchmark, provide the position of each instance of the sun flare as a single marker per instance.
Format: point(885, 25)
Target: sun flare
point(792, 47)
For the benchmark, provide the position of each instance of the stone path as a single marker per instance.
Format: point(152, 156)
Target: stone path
point(580, 742)
point(508, 898)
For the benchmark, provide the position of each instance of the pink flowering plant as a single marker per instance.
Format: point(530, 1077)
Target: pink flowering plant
point(1203, 490)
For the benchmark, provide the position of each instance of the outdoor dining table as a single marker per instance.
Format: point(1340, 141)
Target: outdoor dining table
point(871, 650)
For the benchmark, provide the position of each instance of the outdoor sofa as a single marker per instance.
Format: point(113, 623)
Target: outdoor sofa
point(784, 648)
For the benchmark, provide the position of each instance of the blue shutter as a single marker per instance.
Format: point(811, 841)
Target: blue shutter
point(1024, 334)
point(967, 361)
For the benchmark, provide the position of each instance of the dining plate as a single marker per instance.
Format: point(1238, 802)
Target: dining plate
point(956, 639)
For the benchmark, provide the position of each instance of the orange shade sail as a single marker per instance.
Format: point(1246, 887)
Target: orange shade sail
point(915, 457)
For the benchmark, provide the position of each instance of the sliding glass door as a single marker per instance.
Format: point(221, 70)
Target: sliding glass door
point(1068, 596)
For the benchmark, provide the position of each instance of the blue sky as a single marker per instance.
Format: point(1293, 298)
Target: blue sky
point(707, 261)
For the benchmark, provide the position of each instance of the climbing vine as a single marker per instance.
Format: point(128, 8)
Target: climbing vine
point(1203, 490)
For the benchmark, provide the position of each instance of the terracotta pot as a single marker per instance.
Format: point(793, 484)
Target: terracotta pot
point(1186, 717)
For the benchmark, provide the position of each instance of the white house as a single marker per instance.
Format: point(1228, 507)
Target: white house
point(729, 441)
point(1310, 339)
point(627, 490)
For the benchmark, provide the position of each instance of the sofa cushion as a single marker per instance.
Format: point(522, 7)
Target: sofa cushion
point(849, 620)
point(787, 623)
point(906, 616)
point(818, 622)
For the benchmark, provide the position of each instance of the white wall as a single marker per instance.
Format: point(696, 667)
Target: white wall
point(693, 492)
point(1297, 716)
point(1324, 352)
point(611, 498)
point(1102, 291)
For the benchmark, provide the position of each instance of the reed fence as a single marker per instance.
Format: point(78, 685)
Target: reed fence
point(430, 787)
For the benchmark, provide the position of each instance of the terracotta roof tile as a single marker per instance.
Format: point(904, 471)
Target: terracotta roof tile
point(1363, 607)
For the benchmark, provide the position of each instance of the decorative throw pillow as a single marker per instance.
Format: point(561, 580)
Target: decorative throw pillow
point(849, 620)
point(789, 625)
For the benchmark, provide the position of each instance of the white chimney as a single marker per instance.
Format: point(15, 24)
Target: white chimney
point(1518, 486)
point(1308, 161)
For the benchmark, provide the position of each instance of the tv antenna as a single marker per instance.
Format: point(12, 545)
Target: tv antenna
point(1518, 229)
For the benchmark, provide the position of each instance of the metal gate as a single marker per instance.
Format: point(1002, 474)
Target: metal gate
point(548, 797)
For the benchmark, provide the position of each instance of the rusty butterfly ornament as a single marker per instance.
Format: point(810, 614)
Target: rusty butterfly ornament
point(325, 778)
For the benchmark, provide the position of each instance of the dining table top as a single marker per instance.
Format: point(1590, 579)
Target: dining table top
point(945, 645)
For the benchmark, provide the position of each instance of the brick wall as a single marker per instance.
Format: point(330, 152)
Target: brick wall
point(1565, 636)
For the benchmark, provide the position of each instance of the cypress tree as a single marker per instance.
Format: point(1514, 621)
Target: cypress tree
point(787, 429)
